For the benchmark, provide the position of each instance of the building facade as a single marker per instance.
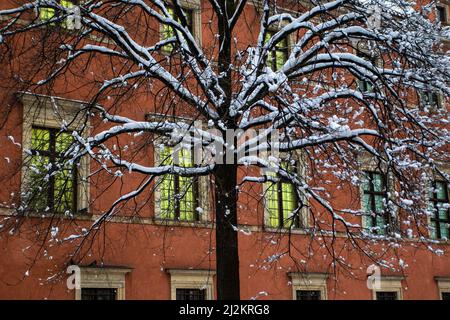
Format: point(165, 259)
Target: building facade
point(161, 245)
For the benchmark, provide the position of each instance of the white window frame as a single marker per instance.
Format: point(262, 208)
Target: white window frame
point(191, 279)
point(390, 284)
point(443, 285)
point(103, 278)
point(309, 281)
point(50, 112)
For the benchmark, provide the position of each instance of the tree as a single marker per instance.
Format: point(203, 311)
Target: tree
point(348, 85)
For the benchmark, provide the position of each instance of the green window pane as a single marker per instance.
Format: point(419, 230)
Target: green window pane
point(63, 191)
point(66, 4)
point(46, 14)
point(444, 230)
point(288, 202)
point(167, 191)
point(367, 207)
point(40, 139)
point(63, 142)
point(177, 193)
point(441, 190)
point(381, 224)
point(379, 207)
point(377, 182)
point(272, 205)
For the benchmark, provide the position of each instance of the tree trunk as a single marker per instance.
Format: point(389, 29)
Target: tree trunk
point(227, 255)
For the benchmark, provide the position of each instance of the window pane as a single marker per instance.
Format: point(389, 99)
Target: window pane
point(98, 294)
point(63, 142)
point(64, 191)
point(444, 229)
point(167, 191)
point(40, 139)
point(441, 190)
point(308, 295)
point(387, 295)
point(377, 182)
point(272, 205)
point(190, 294)
point(288, 201)
point(46, 14)
point(39, 183)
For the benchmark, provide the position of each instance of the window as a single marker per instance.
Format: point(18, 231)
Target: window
point(48, 180)
point(441, 14)
point(281, 201)
point(191, 284)
point(364, 85)
point(309, 286)
point(52, 184)
point(389, 288)
point(169, 32)
point(374, 196)
point(308, 295)
point(98, 294)
point(178, 195)
point(440, 222)
point(429, 99)
point(190, 294)
point(443, 284)
point(102, 283)
point(386, 295)
point(47, 13)
point(278, 56)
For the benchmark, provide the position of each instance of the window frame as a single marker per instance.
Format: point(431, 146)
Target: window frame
point(309, 282)
point(192, 279)
point(303, 215)
point(177, 206)
point(389, 284)
point(194, 6)
point(272, 54)
point(436, 220)
point(49, 112)
point(109, 277)
point(53, 157)
point(372, 194)
point(202, 182)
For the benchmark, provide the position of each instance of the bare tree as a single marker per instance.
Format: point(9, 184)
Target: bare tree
point(350, 85)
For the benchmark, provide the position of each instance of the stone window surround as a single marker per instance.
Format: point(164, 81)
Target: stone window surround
point(204, 199)
point(40, 110)
point(191, 279)
point(196, 7)
point(390, 284)
point(103, 278)
point(443, 285)
point(304, 212)
point(309, 281)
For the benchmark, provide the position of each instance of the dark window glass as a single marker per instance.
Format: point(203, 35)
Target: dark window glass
point(98, 294)
point(441, 14)
point(308, 295)
point(191, 294)
point(446, 296)
point(387, 295)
